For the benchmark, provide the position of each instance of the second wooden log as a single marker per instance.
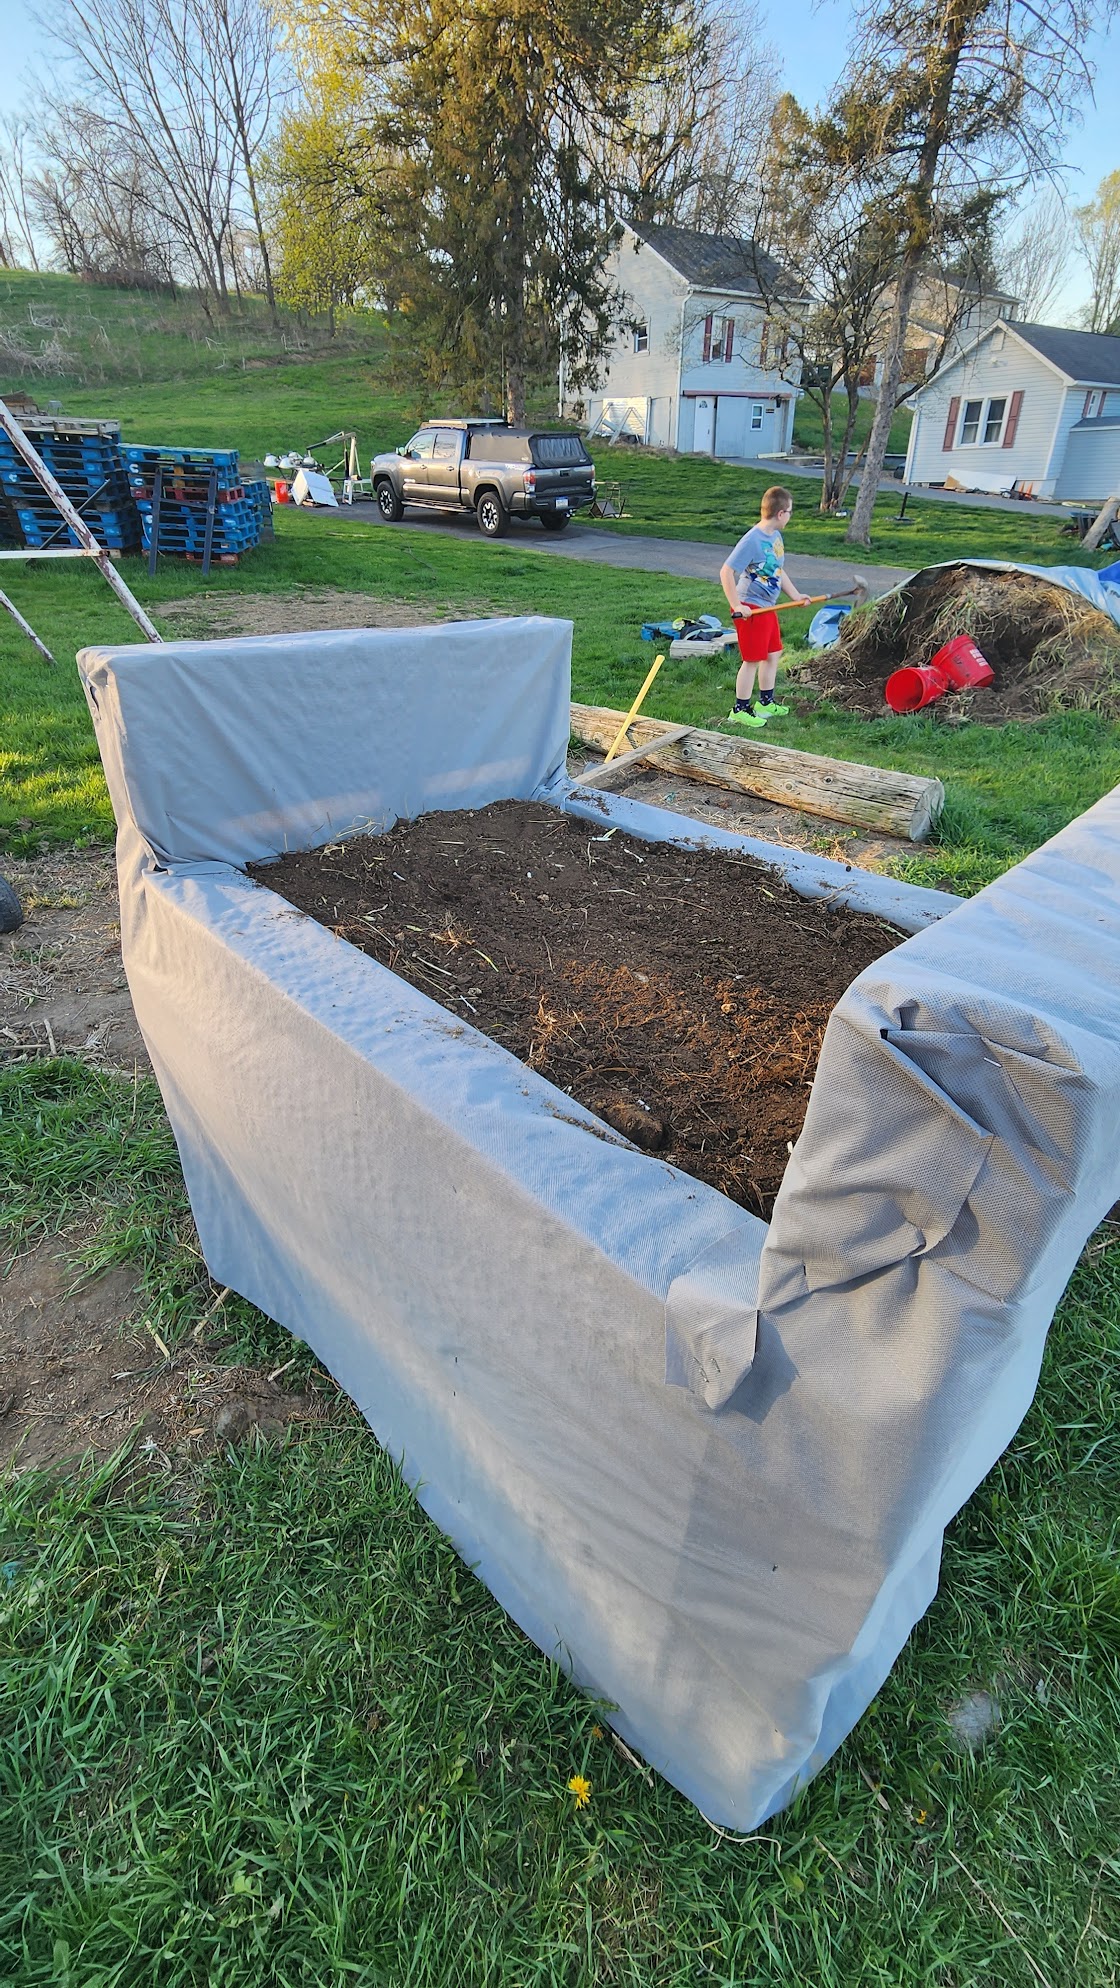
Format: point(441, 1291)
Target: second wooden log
point(868, 797)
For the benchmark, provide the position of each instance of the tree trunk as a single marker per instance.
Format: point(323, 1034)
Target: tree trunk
point(859, 531)
point(958, 20)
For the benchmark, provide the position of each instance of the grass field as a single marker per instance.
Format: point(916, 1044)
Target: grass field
point(808, 428)
point(258, 1726)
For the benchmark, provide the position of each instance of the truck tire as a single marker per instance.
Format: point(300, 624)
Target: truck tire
point(11, 912)
point(493, 518)
point(389, 502)
point(556, 521)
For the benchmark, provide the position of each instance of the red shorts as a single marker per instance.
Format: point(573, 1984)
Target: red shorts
point(759, 635)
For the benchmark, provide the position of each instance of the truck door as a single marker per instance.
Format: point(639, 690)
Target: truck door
point(443, 467)
point(415, 464)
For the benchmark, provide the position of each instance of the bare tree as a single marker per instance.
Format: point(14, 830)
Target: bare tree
point(17, 232)
point(1033, 258)
point(957, 103)
point(93, 204)
point(688, 152)
point(186, 87)
point(1098, 228)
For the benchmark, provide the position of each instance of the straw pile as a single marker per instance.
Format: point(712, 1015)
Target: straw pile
point(1050, 649)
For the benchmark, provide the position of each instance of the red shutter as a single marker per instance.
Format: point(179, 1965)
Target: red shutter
point(951, 422)
point(728, 338)
point(707, 338)
point(1012, 420)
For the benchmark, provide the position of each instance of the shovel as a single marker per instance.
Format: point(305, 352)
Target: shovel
point(858, 592)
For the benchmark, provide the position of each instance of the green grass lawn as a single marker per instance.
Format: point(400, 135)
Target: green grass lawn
point(260, 1726)
point(808, 428)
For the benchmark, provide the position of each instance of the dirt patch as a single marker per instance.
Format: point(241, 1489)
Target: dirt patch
point(681, 994)
point(62, 984)
point(1050, 649)
point(78, 1374)
point(203, 617)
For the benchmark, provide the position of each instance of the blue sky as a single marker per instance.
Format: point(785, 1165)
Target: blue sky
point(810, 37)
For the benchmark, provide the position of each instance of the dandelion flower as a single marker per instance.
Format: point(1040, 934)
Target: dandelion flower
point(581, 1789)
point(596, 1732)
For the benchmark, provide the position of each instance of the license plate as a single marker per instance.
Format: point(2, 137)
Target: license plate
point(561, 503)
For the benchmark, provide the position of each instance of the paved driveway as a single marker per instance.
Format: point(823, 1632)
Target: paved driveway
point(686, 558)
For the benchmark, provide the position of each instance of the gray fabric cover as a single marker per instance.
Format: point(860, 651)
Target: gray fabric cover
point(705, 1464)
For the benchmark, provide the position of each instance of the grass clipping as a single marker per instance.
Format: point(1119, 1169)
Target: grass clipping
point(1050, 649)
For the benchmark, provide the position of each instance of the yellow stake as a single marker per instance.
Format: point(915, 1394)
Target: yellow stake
point(634, 708)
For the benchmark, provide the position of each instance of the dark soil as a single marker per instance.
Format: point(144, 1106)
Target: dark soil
point(1050, 649)
point(681, 994)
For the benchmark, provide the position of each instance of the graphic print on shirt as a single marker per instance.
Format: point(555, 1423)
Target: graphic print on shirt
point(757, 562)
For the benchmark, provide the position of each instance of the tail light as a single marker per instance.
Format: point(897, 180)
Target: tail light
point(530, 481)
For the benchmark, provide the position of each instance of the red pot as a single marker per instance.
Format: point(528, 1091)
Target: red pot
point(908, 689)
point(962, 665)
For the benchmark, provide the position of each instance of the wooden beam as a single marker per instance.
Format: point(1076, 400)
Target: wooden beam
point(871, 798)
point(616, 772)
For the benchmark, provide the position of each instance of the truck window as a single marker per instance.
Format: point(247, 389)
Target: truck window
point(421, 444)
point(558, 451)
point(447, 447)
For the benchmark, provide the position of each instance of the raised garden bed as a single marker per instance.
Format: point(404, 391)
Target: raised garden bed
point(682, 994)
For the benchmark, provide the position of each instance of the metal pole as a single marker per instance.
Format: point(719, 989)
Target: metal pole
point(26, 627)
point(76, 523)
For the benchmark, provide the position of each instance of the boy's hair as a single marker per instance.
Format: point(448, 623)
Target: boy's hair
point(776, 499)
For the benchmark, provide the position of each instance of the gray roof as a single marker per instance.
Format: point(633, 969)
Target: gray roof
point(1089, 358)
point(720, 262)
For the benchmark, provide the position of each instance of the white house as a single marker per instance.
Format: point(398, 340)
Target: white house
point(1029, 405)
point(948, 313)
point(701, 368)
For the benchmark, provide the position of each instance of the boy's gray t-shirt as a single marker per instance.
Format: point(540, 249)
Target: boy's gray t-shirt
point(764, 552)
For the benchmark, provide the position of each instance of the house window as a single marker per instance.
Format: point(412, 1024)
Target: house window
point(1096, 402)
point(719, 339)
point(982, 422)
point(641, 338)
point(756, 415)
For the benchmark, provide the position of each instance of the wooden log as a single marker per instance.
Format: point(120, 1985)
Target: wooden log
point(867, 797)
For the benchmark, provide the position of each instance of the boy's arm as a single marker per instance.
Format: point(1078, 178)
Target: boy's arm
point(728, 583)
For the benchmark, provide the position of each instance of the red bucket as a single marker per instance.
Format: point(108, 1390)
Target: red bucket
point(282, 493)
point(962, 665)
point(908, 689)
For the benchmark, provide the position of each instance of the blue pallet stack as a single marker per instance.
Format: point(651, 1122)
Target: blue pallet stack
point(259, 494)
point(173, 490)
point(84, 458)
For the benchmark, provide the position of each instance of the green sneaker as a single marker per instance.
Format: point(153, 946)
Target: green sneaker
point(771, 710)
point(745, 718)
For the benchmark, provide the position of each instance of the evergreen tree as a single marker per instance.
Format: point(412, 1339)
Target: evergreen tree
point(488, 221)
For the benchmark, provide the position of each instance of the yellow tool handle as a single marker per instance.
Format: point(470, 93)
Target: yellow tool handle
point(634, 709)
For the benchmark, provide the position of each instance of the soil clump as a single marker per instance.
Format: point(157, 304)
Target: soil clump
point(1050, 649)
point(679, 993)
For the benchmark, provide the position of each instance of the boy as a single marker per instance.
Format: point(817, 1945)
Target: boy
point(752, 577)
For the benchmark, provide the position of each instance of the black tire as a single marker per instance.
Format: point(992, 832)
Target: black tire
point(389, 501)
point(493, 518)
point(11, 911)
point(556, 521)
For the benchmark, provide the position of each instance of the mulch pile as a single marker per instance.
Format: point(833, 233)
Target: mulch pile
point(1050, 649)
point(681, 994)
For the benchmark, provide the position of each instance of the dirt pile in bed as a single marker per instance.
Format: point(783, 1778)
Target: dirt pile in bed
point(1050, 649)
point(681, 994)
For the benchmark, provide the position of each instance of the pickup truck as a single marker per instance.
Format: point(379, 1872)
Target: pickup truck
point(487, 467)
